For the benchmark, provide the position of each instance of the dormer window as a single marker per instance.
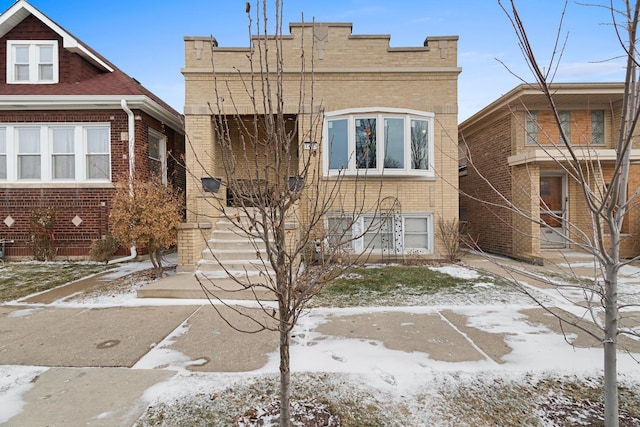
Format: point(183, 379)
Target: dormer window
point(32, 62)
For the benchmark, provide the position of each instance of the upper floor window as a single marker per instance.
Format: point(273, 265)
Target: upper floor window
point(393, 142)
point(579, 127)
point(32, 62)
point(158, 155)
point(55, 153)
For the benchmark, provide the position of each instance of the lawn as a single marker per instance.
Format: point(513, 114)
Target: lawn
point(378, 285)
point(19, 279)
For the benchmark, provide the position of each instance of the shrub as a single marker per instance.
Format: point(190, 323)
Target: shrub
point(103, 249)
point(41, 225)
point(146, 214)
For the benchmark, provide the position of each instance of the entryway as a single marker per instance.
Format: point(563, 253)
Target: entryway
point(553, 211)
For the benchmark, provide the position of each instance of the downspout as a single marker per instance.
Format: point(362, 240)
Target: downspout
point(132, 163)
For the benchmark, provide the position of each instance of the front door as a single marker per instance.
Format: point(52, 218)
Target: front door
point(552, 211)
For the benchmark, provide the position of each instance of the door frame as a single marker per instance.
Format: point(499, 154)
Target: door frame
point(558, 241)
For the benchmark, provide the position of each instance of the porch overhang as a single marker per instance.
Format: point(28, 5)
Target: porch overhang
point(561, 155)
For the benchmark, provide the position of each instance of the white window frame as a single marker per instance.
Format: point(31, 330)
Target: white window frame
point(46, 152)
point(357, 244)
point(34, 61)
point(380, 114)
point(162, 148)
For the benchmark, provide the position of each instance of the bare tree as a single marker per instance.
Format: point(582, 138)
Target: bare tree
point(603, 188)
point(265, 155)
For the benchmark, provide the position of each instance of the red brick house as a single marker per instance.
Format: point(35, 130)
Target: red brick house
point(511, 154)
point(71, 125)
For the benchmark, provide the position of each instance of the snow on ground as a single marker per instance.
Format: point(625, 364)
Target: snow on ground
point(386, 373)
point(14, 382)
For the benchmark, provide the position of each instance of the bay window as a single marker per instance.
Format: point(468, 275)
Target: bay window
point(55, 152)
point(390, 142)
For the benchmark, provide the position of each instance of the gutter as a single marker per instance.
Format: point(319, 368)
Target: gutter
point(132, 164)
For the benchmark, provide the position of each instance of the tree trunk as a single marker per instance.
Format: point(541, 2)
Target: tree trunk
point(156, 259)
point(610, 347)
point(285, 391)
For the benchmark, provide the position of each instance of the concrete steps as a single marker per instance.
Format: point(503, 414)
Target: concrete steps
point(229, 252)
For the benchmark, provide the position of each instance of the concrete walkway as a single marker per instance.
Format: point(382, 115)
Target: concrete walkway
point(101, 360)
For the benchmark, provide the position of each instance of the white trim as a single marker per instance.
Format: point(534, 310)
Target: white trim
point(21, 9)
point(46, 178)
point(33, 61)
point(380, 114)
point(357, 244)
point(557, 154)
point(162, 148)
point(91, 102)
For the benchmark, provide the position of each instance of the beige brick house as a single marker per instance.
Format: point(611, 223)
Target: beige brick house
point(512, 147)
point(360, 83)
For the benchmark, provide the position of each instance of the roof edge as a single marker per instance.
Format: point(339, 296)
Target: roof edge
point(21, 9)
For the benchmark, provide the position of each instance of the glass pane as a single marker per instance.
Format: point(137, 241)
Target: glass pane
point(394, 143)
point(46, 54)
point(3, 141)
point(338, 144)
point(416, 241)
point(28, 167)
point(419, 144)
point(62, 140)
point(597, 127)
point(565, 124)
point(412, 225)
point(3, 167)
point(64, 167)
point(45, 72)
point(154, 147)
point(22, 54)
point(532, 127)
point(378, 232)
point(366, 143)
point(22, 73)
point(97, 140)
point(28, 141)
point(155, 167)
point(98, 167)
point(338, 232)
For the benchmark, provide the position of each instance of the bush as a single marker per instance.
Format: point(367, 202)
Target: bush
point(103, 249)
point(146, 214)
point(41, 225)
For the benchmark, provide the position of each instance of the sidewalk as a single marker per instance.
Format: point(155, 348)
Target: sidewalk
point(99, 361)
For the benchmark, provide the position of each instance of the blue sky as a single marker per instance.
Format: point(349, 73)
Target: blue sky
point(144, 38)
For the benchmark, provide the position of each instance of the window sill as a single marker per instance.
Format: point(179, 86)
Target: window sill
point(29, 185)
point(404, 176)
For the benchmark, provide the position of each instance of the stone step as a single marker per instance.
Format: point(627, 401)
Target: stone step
point(235, 244)
point(223, 234)
point(187, 285)
point(223, 254)
point(237, 266)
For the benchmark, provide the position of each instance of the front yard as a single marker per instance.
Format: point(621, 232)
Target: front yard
point(19, 279)
point(483, 395)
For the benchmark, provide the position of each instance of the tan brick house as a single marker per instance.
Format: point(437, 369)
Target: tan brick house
point(512, 147)
point(71, 125)
point(360, 84)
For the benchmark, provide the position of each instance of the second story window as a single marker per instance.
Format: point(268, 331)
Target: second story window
point(32, 62)
point(579, 127)
point(391, 142)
